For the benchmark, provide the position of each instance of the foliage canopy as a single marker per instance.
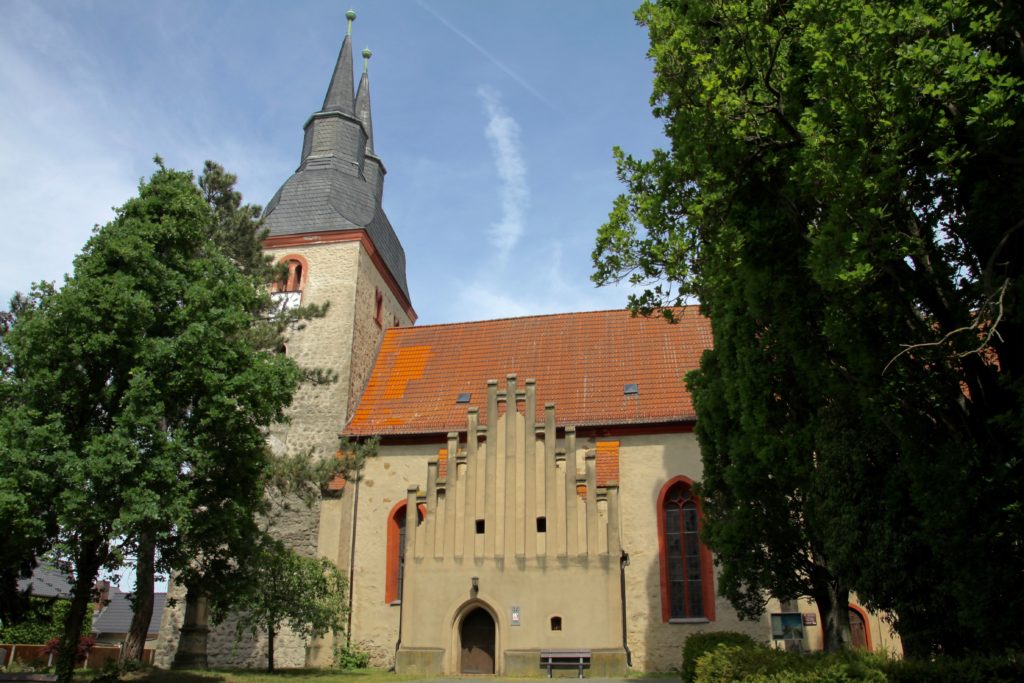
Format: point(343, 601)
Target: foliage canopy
point(842, 195)
point(137, 395)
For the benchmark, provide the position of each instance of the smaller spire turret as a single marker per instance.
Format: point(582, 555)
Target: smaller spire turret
point(363, 100)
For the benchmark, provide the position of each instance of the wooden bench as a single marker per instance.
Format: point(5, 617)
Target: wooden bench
point(565, 659)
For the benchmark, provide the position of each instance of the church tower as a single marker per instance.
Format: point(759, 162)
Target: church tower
point(327, 223)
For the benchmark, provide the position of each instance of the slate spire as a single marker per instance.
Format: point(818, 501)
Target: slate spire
point(339, 92)
point(339, 184)
point(363, 101)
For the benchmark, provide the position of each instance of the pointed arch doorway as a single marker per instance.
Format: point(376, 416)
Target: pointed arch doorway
point(476, 642)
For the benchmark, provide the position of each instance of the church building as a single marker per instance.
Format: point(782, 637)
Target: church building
point(533, 490)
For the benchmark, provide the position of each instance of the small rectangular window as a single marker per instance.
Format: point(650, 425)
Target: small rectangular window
point(542, 525)
point(479, 526)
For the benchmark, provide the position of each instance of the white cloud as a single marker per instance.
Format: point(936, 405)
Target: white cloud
point(502, 133)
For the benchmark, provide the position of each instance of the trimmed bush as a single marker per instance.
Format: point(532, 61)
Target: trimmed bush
point(700, 643)
point(760, 664)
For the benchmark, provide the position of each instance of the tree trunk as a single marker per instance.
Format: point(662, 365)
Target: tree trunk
point(270, 649)
point(142, 600)
point(833, 598)
point(87, 566)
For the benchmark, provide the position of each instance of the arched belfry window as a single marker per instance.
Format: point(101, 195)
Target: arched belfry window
point(396, 549)
point(291, 281)
point(687, 584)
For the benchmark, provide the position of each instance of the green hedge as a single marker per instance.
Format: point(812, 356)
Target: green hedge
point(700, 643)
point(43, 622)
point(761, 664)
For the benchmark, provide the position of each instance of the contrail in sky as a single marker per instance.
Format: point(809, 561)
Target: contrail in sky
point(494, 60)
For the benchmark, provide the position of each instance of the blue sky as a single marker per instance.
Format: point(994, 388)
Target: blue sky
point(495, 121)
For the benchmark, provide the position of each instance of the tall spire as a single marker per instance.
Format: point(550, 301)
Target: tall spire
point(339, 183)
point(339, 92)
point(363, 100)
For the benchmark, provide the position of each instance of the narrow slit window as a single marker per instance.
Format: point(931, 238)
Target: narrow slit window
point(479, 526)
point(542, 525)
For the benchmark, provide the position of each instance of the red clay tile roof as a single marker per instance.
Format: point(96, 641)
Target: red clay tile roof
point(581, 362)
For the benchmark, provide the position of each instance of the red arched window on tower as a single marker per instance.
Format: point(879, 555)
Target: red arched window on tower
point(687, 583)
point(288, 288)
point(395, 568)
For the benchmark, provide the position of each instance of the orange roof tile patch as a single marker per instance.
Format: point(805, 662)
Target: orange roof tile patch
point(408, 367)
point(581, 362)
point(442, 464)
point(607, 462)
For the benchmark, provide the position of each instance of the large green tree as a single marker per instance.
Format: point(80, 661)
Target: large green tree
point(841, 194)
point(139, 389)
point(236, 231)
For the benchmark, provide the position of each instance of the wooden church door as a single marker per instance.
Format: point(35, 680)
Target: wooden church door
point(477, 637)
point(858, 631)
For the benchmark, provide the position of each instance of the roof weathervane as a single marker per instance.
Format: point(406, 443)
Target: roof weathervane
point(351, 16)
point(366, 59)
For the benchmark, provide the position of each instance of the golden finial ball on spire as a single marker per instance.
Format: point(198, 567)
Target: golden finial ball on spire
point(351, 16)
point(367, 53)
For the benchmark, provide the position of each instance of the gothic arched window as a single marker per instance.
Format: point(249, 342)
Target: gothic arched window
point(687, 584)
point(396, 551)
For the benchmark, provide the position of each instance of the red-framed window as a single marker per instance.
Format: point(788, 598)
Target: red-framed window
point(687, 579)
point(396, 550)
point(295, 279)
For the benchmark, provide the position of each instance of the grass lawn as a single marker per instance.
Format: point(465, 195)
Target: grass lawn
point(290, 676)
point(256, 676)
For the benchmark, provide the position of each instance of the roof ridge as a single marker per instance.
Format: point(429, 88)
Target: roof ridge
point(566, 314)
